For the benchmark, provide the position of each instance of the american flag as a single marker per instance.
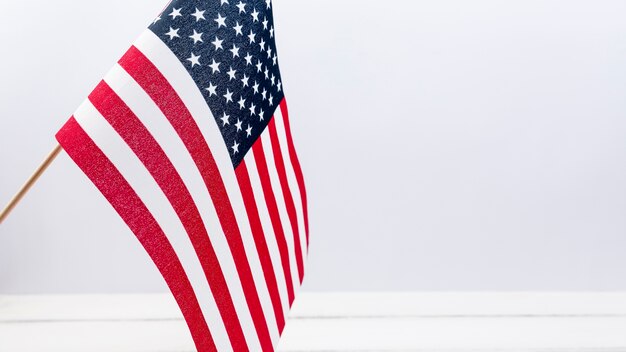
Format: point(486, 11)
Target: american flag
point(188, 138)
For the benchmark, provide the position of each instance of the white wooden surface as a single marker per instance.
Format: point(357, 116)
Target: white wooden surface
point(331, 322)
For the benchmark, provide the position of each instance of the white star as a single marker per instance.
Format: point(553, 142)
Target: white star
point(221, 21)
point(264, 94)
point(231, 74)
point(252, 110)
point(235, 148)
point(279, 85)
point(249, 131)
point(225, 119)
point(262, 44)
point(255, 87)
point(218, 43)
point(265, 22)
point(215, 66)
point(173, 33)
point(242, 103)
point(271, 99)
point(242, 7)
point(273, 79)
point(212, 89)
point(251, 37)
point(269, 53)
point(238, 125)
point(261, 114)
point(235, 51)
point(267, 73)
point(237, 29)
point(222, 2)
point(248, 59)
point(197, 37)
point(274, 59)
point(268, 3)
point(195, 60)
point(259, 66)
point(157, 19)
point(255, 16)
point(175, 13)
point(245, 80)
point(272, 32)
point(228, 96)
point(199, 15)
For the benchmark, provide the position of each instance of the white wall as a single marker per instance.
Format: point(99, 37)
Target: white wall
point(447, 145)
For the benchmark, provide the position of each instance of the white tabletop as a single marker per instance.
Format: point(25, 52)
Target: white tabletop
point(331, 322)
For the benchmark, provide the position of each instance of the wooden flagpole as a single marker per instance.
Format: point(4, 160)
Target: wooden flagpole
point(29, 183)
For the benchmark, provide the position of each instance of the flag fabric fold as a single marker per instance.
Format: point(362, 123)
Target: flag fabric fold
point(188, 138)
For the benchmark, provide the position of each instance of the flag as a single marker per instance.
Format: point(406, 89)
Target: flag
point(188, 138)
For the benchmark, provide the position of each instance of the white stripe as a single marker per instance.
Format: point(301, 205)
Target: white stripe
point(158, 53)
point(280, 202)
point(139, 178)
point(157, 124)
point(291, 179)
point(268, 230)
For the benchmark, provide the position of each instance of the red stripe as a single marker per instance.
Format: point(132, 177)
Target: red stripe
point(156, 85)
point(133, 211)
point(291, 208)
point(143, 144)
point(296, 167)
point(270, 200)
point(259, 239)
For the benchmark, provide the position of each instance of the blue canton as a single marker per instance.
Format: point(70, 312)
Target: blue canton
point(228, 48)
